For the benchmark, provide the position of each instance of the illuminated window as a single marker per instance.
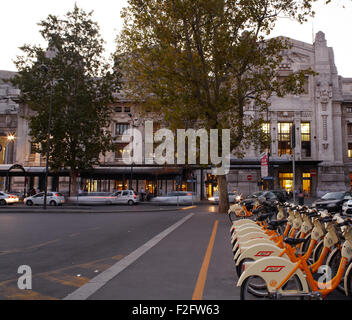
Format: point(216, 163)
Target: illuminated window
point(120, 150)
point(284, 138)
point(305, 139)
point(266, 137)
point(349, 150)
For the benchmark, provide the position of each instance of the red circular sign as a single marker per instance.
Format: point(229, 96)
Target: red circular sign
point(313, 172)
point(249, 177)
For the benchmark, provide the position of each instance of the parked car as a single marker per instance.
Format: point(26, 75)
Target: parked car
point(126, 197)
point(52, 199)
point(233, 197)
point(347, 208)
point(92, 198)
point(332, 201)
point(281, 195)
point(175, 197)
point(7, 198)
point(266, 195)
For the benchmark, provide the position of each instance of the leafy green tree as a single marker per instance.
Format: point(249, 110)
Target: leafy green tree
point(82, 85)
point(202, 62)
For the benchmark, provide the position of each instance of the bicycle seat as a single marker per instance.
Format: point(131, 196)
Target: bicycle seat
point(264, 216)
point(294, 241)
point(274, 224)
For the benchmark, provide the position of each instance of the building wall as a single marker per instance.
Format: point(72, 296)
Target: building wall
point(324, 106)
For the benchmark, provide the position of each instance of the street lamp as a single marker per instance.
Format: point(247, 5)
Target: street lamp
point(131, 173)
point(10, 139)
point(46, 70)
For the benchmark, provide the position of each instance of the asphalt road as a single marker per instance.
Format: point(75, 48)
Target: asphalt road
point(131, 253)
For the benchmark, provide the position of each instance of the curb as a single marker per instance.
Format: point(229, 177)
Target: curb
point(88, 210)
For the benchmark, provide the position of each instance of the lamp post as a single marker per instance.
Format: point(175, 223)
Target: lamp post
point(131, 173)
point(10, 139)
point(46, 70)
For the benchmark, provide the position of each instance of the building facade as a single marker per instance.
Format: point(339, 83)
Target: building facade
point(321, 118)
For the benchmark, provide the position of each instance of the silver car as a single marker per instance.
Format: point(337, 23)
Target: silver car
point(92, 198)
point(6, 198)
point(126, 197)
point(52, 199)
point(175, 197)
point(233, 197)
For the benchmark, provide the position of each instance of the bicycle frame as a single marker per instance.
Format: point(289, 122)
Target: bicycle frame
point(276, 271)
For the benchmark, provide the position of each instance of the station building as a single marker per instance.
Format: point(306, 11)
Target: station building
point(322, 118)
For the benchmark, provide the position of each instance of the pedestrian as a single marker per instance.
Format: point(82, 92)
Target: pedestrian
point(147, 195)
point(32, 192)
point(300, 198)
point(142, 192)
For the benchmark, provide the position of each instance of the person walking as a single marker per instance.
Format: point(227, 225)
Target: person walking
point(300, 197)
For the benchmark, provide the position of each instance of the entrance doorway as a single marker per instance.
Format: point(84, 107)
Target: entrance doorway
point(286, 181)
point(306, 183)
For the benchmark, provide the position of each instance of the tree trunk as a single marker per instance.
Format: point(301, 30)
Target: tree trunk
point(73, 187)
point(223, 194)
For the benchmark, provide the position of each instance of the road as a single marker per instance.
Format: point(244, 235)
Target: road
point(130, 253)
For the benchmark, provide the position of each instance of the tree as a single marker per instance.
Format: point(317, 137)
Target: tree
point(81, 102)
point(202, 62)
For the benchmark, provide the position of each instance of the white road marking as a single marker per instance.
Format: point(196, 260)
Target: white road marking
point(100, 280)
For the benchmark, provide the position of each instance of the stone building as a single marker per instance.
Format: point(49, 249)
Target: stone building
point(322, 118)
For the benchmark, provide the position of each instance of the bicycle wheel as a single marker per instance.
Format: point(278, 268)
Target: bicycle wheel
point(317, 251)
point(349, 282)
point(249, 289)
point(334, 263)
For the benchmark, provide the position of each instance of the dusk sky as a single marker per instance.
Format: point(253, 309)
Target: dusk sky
point(19, 18)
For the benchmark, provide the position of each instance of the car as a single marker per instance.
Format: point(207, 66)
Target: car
point(175, 197)
point(233, 197)
point(332, 201)
point(8, 198)
point(281, 195)
point(265, 195)
point(126, 197)
point(92, 198)
point(347, 208)
point(53, 199)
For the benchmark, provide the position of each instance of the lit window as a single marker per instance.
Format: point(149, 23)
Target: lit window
point(305, 139)
point(284, 138)
point(349, 150)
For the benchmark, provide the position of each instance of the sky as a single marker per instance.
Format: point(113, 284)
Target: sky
point(19, 18)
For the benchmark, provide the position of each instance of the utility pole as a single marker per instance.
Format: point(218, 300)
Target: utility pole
point(293, 146)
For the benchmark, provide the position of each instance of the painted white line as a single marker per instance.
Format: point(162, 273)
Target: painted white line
point(100, 280)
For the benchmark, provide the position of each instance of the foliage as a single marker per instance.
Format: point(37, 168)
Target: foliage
point(80, 102)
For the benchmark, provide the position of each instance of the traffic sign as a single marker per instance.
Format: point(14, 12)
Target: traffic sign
point(313, 172)
point(249, 177)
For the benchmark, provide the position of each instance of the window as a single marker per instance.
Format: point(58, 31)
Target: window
point(118, 109)
point(349, 129)
point(33, 147)
point(349, 150)
point(284, 138)
point(119, 150)
point(127, 109)
point(306, 85)
point(266, 137)
point(305, 139)
point(349, 109)
point(120, 128)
